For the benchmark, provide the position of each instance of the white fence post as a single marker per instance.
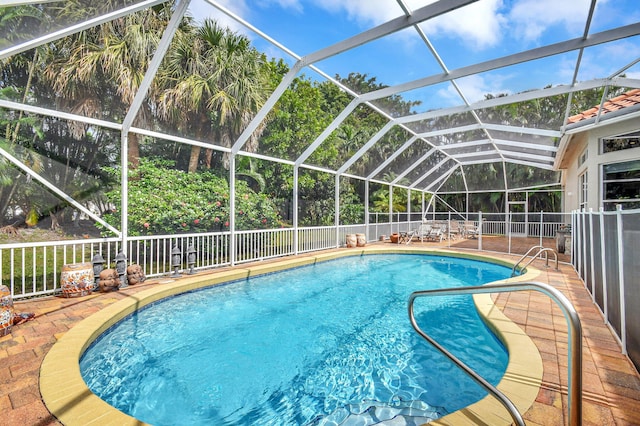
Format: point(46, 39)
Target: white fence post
point(541, 225)
point(592, 260)
point(480, 230)
point(604, 266)
point(623, 310)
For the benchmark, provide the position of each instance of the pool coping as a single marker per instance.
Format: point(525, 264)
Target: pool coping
point(68, 398)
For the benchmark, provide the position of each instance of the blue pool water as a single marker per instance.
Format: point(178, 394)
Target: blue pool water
point(325, 344)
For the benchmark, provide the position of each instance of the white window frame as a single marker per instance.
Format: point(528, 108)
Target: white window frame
point(583, 190)
point(603, 181)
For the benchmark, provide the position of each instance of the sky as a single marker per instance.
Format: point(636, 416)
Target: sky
point(485, 30)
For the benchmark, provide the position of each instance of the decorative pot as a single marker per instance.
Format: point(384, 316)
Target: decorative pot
point(6, 310)
point(77, 279)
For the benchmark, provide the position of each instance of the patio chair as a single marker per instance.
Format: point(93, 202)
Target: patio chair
point(453, 229)
point(423, 231)
point(407, 237)
point(436, 234)
point(469, 230)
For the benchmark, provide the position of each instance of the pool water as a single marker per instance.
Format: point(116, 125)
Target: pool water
point(325, 344)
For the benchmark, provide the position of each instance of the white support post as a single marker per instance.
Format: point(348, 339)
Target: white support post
point(337, 210)
point(508, 223)
point(574, 225)
point(366, 210)
point(480, 230)
point(391, 210)
point(605, 308)
point(592, 256)
point(623, 309)
point(296, 171)
point(449, 230)
point(232, 209)
point(408, 207)
point(541, 225)
point(584, 248)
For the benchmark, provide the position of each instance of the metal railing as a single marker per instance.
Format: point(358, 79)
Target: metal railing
point(574, 337)
point(534, 257)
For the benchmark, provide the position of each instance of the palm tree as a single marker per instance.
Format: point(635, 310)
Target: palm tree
point(213, 81)
point(97, 72)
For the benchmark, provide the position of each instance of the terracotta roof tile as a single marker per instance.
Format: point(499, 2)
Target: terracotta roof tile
point(628, 99)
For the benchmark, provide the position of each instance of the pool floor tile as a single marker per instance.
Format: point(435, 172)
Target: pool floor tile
point(611, 383)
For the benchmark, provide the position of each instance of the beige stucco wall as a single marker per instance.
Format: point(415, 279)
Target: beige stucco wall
point(590, 140)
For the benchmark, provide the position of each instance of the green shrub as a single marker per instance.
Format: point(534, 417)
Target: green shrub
point(163, 200)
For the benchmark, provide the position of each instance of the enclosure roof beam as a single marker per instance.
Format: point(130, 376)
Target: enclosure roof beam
point(366, 147)
point(442, 178)
point(327, 131)
point(57, 191)
point(59, 114)
point(414, 165)
point(528, 145)
point(392, 157)
point(509, 60)
point(424, 13)
point(430, 172)
point(455, 145)
point(56, 35)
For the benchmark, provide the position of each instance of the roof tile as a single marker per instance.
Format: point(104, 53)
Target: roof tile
point(627, 99)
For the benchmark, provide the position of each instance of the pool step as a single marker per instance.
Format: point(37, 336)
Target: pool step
point(409, 413)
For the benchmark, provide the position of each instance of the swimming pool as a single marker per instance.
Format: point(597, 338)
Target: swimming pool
point(358, 359)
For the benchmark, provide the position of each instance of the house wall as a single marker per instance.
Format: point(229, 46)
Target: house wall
point(590, 140)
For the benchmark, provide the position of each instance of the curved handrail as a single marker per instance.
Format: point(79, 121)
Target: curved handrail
point(574, 336)
point(540, 251)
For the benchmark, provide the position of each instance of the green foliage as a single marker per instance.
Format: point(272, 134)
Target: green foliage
point(187, 202)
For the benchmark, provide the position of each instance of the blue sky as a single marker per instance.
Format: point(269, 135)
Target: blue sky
point(485, 30)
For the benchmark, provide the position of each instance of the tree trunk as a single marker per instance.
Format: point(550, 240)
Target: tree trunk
point(133, 156)
point(54, 221)
point(193, 161)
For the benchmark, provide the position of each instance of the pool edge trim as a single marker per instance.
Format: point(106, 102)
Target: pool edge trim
point(68, 398)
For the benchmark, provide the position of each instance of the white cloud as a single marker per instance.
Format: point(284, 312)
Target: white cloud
point(530, 19)
point(295, 5)
point(201, 10)
point(364, 12)
point(479, 24)
point(474, 88)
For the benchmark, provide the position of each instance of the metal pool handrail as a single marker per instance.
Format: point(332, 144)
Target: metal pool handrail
point(574, 336)
point(542, 250)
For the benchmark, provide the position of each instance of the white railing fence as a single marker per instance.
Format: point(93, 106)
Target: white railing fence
point(605, 255)
point(33, 269)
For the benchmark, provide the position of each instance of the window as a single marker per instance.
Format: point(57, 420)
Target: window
point(582, 191)
point(618, 143)
point(583, 157)
point(621, 185)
